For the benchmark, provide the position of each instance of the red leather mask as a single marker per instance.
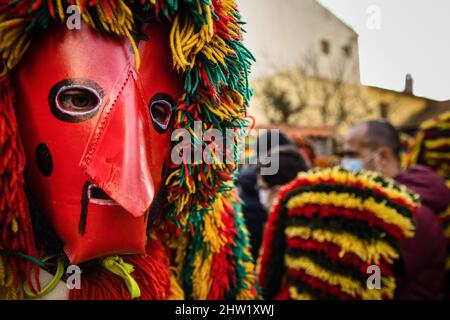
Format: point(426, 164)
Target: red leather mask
point(96, 134)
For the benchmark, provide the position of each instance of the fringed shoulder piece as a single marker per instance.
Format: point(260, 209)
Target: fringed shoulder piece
point(328, 232)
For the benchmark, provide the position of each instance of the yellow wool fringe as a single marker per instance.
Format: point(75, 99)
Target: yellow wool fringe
point(385, 213)
point(447, 232)
point(445, 214)
point(437, 143)
point(8, 291)
point(186, 43)
point(14, 42)
point(247, 294)
point(212, 224)
point(414, 154)
point(214, 240)
point(436, 155)
point(201, 276)
point(439, 121)
point(176, 291)
point(369, 252)
point(177, 243)
point(346, 284)
point(296, 295)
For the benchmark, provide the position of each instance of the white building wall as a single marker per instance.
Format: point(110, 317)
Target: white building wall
point(282, 33)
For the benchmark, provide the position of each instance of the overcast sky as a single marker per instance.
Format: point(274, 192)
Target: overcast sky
point(397, 37)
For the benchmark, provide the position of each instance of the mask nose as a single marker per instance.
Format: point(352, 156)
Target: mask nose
point(117, 157)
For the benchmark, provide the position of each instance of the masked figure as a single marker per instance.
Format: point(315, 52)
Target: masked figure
point(87, 176)
point(432, 149)
point(335, 234)
point(432, 146)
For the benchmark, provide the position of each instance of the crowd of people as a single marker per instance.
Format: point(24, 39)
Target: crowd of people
point(316, 232)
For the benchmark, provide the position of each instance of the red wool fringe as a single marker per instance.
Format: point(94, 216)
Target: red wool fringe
point(269, 234)
point(283, 294)
point(151, 272)
point(222, 266)
point(13, 201)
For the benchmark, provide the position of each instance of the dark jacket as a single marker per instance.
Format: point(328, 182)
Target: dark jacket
point(422, 268)
point(254, 213)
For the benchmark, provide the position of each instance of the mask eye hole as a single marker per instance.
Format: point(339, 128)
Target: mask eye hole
point(161, 106)
point(78, 100)
point(75, 100)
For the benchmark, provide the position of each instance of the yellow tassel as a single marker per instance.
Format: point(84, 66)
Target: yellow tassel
point(177, 292)
point(60, 9)
point(116, 265)
point(201, 276)
point(11, 23)
point(296, 295)
point(2, 272)
point(437, 143)
point(135, 49)
point(8, 291)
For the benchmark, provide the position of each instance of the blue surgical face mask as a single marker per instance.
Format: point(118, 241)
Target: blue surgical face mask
point(352, 165)
point(264, 198)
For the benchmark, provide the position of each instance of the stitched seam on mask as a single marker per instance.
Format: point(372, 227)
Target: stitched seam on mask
point(141, 95)
point(147, 110)
point(100, 129)
point(139, 89)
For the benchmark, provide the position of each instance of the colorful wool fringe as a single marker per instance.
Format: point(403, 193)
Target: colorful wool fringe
point(327, 228)
point(207, 50)
point(218, 236)
point(432, 149)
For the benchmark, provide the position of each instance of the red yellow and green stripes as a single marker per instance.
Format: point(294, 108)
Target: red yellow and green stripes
point(364, 179)
point(328, 227)
point(432, 147)
point(16, 231)
point(217, 262)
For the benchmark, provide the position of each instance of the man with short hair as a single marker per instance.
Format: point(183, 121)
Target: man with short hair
point(375, 146)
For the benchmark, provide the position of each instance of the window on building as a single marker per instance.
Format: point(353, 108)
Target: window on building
point(347, 50)
point(325, 46)
point(384, 110)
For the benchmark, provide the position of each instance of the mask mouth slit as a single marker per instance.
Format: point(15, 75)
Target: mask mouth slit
point(96, 195)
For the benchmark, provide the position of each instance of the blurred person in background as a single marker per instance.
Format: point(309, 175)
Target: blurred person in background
point(375, 146)
point(290, 163)
point(254, 212)
point(306, 148)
